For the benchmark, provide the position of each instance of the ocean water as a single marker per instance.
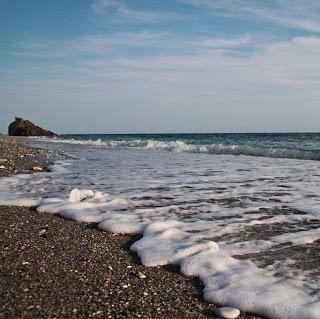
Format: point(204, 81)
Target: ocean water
point(239, 211)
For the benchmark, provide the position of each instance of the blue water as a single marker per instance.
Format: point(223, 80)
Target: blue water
point(278, 145)
point(302, 141)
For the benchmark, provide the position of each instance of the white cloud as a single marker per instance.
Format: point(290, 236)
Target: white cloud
point(97, 45)
point(290, 64)
point(295, 14)
point(123, 11)
point(101, 5)
point(293, 64)
point(223, 42)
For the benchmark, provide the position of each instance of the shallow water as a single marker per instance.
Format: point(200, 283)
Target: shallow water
point(248, 226)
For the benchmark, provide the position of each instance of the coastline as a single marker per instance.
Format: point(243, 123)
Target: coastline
point(51, 267)
point(17, 158)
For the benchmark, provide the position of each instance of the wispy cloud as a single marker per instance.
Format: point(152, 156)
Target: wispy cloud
point(99, 44)
point(292, 63)
point(156, 43)
point(295, 14)
point(223, 42)
point(101, 5)
point(220, 91)
point(122, 10)
point(283, 76)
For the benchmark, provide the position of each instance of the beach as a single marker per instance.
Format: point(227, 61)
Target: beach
point(160, 159)
point(56, 268)
point(17, 158)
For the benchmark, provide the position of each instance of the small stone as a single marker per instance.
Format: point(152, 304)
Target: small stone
point(3, 160)
point(227, 312)
point(42, 232)
point(37, 168)
point(129, 267)
point(141, 275)
point(2, 167)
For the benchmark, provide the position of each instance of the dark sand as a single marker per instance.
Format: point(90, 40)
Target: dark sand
point(56, 268)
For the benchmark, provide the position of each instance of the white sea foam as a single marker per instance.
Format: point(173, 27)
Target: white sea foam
point(19, 202)
point(238, 223)
point(182, 146)
point(228, 281)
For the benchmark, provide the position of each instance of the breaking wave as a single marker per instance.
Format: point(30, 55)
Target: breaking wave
point(182, 146)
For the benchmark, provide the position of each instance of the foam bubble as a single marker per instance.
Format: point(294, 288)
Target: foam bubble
point(77, 196)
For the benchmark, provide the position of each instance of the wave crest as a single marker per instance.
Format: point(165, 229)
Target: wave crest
point(182, 146)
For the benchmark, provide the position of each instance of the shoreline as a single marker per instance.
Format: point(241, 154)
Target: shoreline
point(52, 267)
point(16, 157)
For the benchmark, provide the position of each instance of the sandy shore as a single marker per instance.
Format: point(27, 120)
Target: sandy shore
point(56, 268)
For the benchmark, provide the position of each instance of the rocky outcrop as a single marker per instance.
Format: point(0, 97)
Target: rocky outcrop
point(21, 127)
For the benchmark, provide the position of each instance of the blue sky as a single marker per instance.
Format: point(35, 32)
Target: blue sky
point(117, 66)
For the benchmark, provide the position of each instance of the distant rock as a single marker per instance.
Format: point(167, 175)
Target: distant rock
point(21, 127)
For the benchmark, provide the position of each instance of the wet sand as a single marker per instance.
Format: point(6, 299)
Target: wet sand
point(56, 268)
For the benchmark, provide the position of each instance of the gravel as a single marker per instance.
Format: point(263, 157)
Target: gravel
point(16, 158)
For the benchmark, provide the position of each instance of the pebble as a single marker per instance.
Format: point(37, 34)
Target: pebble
point(37, 168)
point(42, 232)
point(141, 275)
point(2, 167)
point(3, 160)
point(227, 312)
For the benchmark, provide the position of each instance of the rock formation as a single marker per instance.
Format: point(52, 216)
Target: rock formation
point(21, 127)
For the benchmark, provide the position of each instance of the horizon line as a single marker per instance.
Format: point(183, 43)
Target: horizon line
point(189, 133)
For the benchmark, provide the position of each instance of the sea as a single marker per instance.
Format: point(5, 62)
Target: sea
point(239, 211)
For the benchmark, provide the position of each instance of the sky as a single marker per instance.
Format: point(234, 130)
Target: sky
point(151, 66)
